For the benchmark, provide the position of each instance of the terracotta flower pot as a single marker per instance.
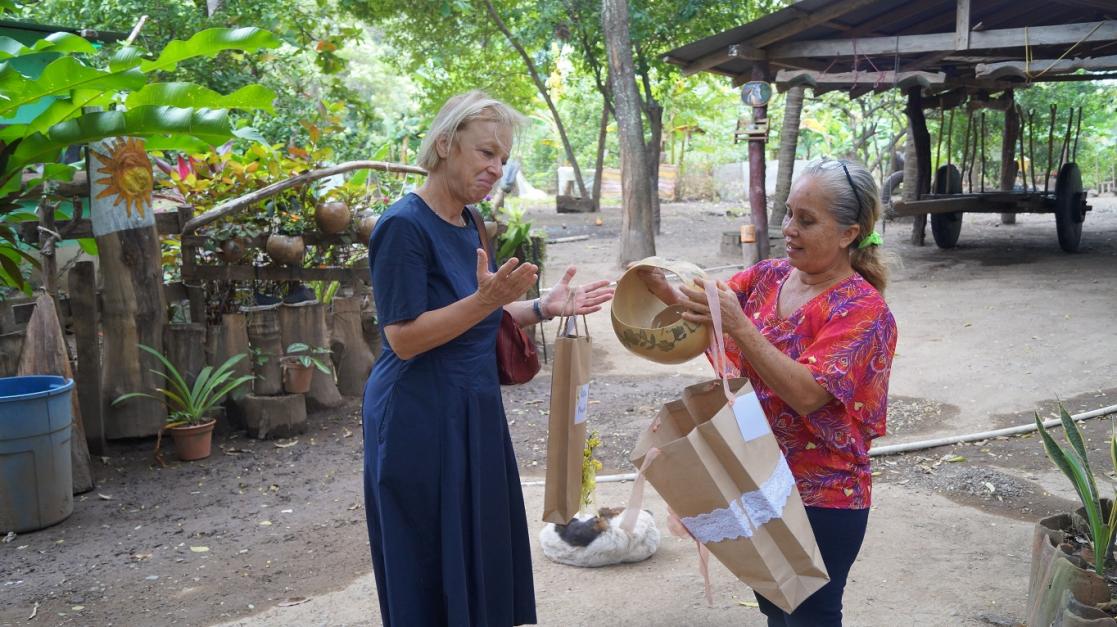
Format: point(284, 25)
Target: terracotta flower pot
point(365, 223)
point(332, 217)
point(193, 442)
point(233, 250)
point(297, 377)
point(286, 248)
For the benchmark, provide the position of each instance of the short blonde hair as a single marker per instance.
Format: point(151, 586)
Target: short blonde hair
point(459, 111)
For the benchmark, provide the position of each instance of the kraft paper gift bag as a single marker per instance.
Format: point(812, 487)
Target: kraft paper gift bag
point(566, 427)
point(713, 458)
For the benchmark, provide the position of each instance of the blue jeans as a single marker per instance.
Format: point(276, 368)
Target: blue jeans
point(839, 533)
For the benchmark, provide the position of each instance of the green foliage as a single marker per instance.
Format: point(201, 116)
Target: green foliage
point(307, 356)
point(517, 236)
point(80, 77)
point(590, 466)
point(1074, 464)
point(191, 404)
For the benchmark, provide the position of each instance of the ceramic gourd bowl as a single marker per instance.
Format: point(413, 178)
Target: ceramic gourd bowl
point(646, 326)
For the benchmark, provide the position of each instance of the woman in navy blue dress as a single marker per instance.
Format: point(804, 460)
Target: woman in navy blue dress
point(445, 509)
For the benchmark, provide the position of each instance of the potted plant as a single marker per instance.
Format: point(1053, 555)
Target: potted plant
point(192, 405)
point(232, 240)
point(1069, 579)
point(286, 244)
point(298, 364)
point(332, 217)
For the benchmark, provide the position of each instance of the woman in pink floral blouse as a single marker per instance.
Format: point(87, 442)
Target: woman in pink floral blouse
point(814, 336)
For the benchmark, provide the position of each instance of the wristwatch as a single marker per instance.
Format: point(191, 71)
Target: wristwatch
point(537, 307)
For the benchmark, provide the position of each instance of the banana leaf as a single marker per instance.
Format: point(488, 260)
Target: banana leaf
point(189, 95)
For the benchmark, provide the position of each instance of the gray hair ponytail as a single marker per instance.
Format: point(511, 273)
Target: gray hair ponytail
point(855, 199)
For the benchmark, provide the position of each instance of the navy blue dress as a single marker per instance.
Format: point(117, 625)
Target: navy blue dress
point(445, 509)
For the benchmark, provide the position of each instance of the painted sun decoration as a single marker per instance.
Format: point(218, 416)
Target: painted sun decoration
point(129, 174)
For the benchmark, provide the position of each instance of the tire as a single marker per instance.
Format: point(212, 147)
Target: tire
point(945, 227)
point(1069, 213)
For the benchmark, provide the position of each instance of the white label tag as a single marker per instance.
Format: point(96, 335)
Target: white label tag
point(750, 417)
point(571, 329)
point(583, 404)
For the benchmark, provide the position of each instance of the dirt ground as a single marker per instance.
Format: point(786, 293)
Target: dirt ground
point(272, 533)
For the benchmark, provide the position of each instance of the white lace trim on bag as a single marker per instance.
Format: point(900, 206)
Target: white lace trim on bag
point(747, 512)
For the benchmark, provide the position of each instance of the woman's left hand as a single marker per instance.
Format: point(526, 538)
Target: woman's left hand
point(698, 308)
point(586, 298)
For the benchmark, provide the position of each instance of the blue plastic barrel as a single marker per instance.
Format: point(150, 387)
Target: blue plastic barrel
point(36, 487)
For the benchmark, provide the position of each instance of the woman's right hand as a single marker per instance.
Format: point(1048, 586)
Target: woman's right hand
point(656, 281)
point(508, 283)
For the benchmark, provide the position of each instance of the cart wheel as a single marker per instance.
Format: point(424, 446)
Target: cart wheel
point(1070, 207)
point(945, 227)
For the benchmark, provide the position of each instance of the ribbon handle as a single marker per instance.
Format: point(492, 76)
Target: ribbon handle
point(674, 523)
point(721, 359)
point(636, 499)
point(678, 529)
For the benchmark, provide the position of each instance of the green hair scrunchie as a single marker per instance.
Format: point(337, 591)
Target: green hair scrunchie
point(874, 239)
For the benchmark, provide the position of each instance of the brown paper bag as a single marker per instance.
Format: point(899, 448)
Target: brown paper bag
point(718, 466)
point(566, 428)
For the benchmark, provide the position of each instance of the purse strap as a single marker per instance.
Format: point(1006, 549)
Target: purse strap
point(482, 232)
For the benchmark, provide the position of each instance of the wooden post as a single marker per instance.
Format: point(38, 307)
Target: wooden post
point(44, 352)
point(1021, 166)
point(1032, 146)
point(1050, 147)
point(132, 275)
point(1008, 152)
point(981, 172)
point(307, 324)
point(922, 141)
point(354, 357)
point(962, 25)
point(194, 292)
point(758, 201)
point(83, 302)
point(263, 335)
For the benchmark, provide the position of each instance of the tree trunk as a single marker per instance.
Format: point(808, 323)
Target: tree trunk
point(185, 347)
point(1008, 152)
point(354, 358)
point(87, 340)
point(655, 120)
point(921, 139)
point(789, 143)
point(132, 297)
point(599, 165)
point(307, 324)
point(263, 336)
point(44, 352)
point(637, 234)
point(542, 87)
point(226, 340)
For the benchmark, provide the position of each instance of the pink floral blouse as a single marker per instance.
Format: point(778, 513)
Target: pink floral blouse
point(846, 336)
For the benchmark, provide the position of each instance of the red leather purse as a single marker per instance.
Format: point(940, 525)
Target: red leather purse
point(516, 358)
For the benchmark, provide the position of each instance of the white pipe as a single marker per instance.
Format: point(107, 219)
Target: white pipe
point(914, 446)
point(984, 435)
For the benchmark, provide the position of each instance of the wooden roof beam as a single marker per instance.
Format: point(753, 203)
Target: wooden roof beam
point(736, 51)
point(809, 78)
point(809, 21)
point(962, 25)
point(1020, 69)
point(1064, 34)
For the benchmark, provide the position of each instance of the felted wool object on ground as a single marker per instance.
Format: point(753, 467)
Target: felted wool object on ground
point(594, 541)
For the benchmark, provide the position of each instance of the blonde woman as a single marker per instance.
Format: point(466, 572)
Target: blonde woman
point(445, 510)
